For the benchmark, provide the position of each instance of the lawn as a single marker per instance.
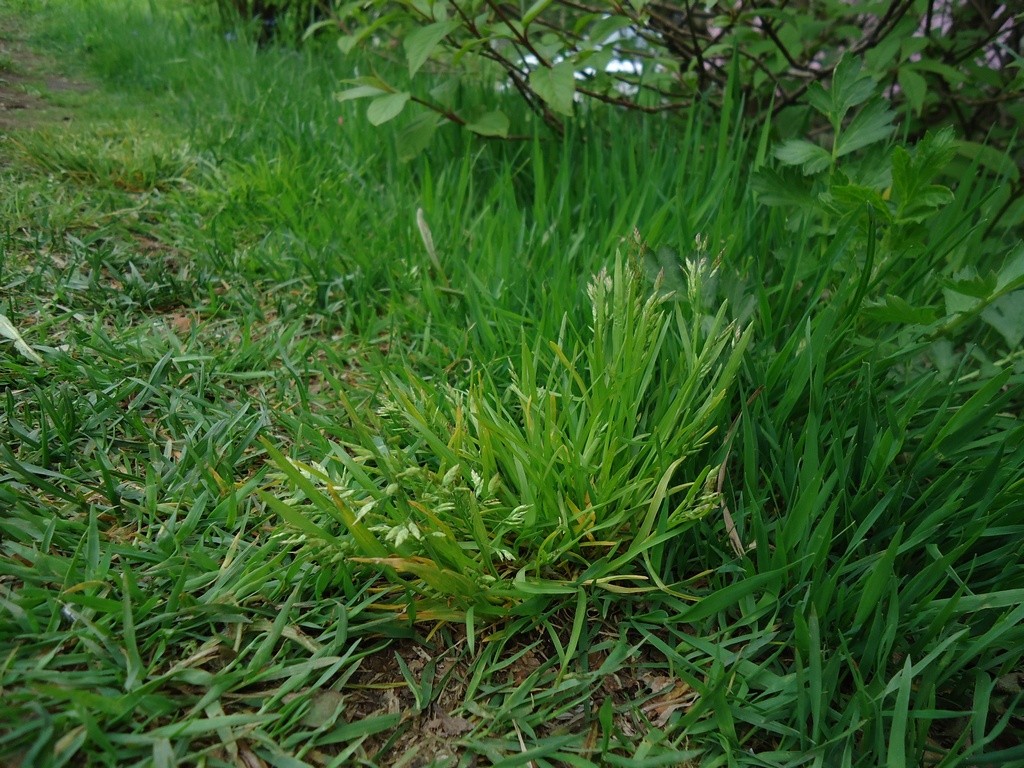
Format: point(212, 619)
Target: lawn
point(625, 446)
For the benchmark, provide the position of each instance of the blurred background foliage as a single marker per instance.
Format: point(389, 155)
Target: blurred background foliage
point(941, 62)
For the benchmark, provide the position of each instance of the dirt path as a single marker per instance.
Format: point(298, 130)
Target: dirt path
point(30, 83)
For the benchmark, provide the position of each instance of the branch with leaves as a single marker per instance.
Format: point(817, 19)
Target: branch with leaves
point(662, 56)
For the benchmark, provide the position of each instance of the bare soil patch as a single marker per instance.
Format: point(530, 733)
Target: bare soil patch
point(28, 83)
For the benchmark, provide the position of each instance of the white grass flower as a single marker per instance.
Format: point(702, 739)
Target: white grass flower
point(399, 534)
point(451, 476)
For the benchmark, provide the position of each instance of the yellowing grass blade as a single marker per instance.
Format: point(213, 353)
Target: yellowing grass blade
point(8, 330)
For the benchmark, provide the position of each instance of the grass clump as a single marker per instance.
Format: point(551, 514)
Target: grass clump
point(576, 474)
point(316, 453)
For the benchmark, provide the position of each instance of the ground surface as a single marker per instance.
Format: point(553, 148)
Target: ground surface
point(32, 91)
point(377, 700)
point(198, 271)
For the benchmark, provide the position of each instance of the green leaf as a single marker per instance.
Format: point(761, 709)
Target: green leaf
point(950, 74)
point(972, 284)
point(972, 414)
point(490, 124)
point(878, 582)
point(894, 309)
point(808, 155)
point(418, 135)
point(731, 595)
point(297, 520)
point(990, 158)
point(850, 87)
point(347, 42)
point(914, 86)
point(386, 108)
point(372, 81)
point(1012, 273)
point(785, 188)
point(872, 124)
point(359, 92)
point(896, 755)
point(914, 196)
point(446, 92)
point(535, 10)
point(332, 506)
point(606, 26)
point(556, 86)
point(442, 579)
point(925, 203)
point(957, 302)
point(1006, 315)
point(856, 196)
point(422, 42)
point(820, 99)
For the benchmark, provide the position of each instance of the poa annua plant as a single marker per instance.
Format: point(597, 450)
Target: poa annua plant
point(577, 472)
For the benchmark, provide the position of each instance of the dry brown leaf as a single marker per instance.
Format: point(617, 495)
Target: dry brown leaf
point(247, 758)
point(678, 696)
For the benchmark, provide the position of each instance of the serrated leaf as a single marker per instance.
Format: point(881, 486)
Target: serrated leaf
point(806, 154)
point(850, 87)
point(490, 124)
point(872, 124)
point(386, 108)
point(973, 285)
point(856, 196)
point(915, 197)
point(556, 86)
point(421, 43)
point(914, 87)
point(777, 189)
point(820, 99)
point(894, 309)
point(924, 203)
point(935, 151)
point(967, 289)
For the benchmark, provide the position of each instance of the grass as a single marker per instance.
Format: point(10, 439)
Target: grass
point(550, 452)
